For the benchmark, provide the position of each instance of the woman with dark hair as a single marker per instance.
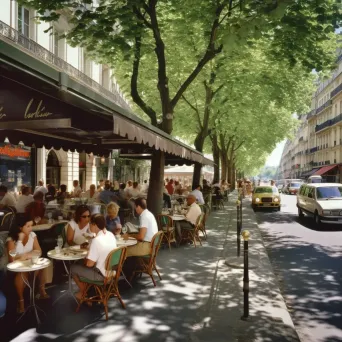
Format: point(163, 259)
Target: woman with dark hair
point(24, 241)
point(51, 194)
point(37, 207)
point(79, 226)
point(62, 194)
point(95, 263)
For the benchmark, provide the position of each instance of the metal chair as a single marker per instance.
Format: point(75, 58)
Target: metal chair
point(192, 234)
point(109, 286)
point(147, 263)
point(165, 224)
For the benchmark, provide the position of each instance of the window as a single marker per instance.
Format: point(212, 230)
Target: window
point(329, 192)
point(24, 21)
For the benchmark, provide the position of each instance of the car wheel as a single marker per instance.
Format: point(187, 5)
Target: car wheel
point(317, 220)
point(300, 213)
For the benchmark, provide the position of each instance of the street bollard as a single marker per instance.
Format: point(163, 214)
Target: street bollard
point(245, 235)
point(238, 227)
point(240, 213)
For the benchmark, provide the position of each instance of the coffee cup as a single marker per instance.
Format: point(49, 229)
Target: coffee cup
point(57, 249)
point(34, 259)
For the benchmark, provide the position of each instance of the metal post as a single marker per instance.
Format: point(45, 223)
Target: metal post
point(245, 235)
point(240, 213)
point(238, 227)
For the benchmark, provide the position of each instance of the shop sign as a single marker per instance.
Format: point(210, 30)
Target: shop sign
point(14, 152)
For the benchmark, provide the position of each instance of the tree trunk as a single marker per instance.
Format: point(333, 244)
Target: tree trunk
point(229, 171)
point(196, 178)
point(216, 156)
point(155, 189)
point(223, 165)
point(233, 177)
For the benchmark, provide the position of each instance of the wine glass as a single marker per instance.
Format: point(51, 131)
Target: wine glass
point(13, 253)
point(124, 230)
point(49, 215)
point(37, 219)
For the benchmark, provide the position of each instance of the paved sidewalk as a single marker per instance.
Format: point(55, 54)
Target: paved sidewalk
point(199, 298)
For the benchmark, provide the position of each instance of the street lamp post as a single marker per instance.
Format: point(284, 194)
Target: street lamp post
point(245, 235)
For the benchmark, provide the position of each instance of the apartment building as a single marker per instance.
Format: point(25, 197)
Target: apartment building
point(317, 146)
point(19, 27)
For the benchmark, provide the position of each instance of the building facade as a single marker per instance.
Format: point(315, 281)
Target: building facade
point(20, 27)
point(317, 145)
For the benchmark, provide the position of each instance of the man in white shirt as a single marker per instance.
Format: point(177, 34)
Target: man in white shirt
point(24, 199)
point(191, 216)
point(147, 229)
point(77, 189)
point(95, 263)
point(40, 187)
point(198, 194)
point(6, 199)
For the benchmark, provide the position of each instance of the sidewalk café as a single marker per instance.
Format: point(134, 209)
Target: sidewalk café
point(42, 106)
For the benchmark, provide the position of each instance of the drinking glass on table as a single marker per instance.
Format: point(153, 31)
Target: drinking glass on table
point(124, 230)
point(37, 219)
point(13, 253)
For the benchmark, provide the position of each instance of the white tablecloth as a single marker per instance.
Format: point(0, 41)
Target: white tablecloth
point(68, 254)
point(27, 266)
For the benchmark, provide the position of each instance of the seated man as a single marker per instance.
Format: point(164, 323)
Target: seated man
point(147, 228)
point(106, 196)
point(191, 216)
point(198, 194)
point(6, 199)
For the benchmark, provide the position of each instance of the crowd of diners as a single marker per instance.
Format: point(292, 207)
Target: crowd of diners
point(102, 230)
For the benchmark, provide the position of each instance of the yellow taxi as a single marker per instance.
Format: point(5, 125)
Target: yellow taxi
point(266, 197)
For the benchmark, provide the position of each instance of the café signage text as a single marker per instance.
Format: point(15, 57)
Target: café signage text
point(13, 151)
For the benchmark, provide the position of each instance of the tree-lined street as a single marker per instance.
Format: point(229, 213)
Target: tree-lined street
point(308, 265)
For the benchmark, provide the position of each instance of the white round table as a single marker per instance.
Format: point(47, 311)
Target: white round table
point(177, 217)
point(130, 242)
point(67, 254)
point(19, 266)
point(46, 226)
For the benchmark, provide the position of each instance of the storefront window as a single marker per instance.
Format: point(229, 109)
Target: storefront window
point(53, 170)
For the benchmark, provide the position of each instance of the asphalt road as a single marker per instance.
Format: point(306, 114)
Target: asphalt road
point(308, 264)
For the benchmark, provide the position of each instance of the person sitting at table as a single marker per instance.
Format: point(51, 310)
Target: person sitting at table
point(36, 208)
point(91, 193)
point(77, 189)
point(78, 227)
point(6, 199)
point(24, 199)
point(51, 194)
point(40, 187)
point(194, 211)
point(94, 267)
point(113, 223)
point(147, 228)
point(62, 194)
point(106, 196)
point(166, 198)
point(134, 191)
point(198, 194)
point(23, 240)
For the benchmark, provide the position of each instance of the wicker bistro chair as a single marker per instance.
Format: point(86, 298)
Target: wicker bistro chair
point(202, 228)
point(109, 286)
point(6, 221)
point(192, 234)
point(165, 224)
point(147, 263)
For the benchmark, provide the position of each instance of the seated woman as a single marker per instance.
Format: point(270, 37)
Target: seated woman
point(113, 223)
point(51, 194)
point(62, 194)
point(91, 194)
point(23, 240)
point(102, 244)
point(78, 227)
point(36, 208)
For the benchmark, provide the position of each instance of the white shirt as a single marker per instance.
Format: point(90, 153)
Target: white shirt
point(148, 221)
point(77, 191)
point(199, 196)
point(133, 192)
point(23, 201)
point(99, 249)
point(8, 200)
point(193, 213)
point(78, 235)
point(87, 195)
point(20, 248)
point(42, 189)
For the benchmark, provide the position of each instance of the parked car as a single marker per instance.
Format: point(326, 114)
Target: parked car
point(266, 197)
point(315, 179)
point(292, 188)
point(322, 201)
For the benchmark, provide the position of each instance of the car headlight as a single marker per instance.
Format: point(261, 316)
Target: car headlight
point(257, 200)
point(326, 212)
point(276, 199)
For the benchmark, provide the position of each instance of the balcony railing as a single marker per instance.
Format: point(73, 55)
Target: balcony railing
point(313, 150)
point(324, 106)
point(323, 125)
point(47, 56)
point(336, 90)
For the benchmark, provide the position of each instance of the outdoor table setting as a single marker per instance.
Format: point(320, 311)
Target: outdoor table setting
point(47, 226)
point(34, 264)
point(72, 253)
point(120, 241)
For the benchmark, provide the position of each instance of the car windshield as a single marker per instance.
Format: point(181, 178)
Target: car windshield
point(329, 192)
point(295, 185)
point(263, 190)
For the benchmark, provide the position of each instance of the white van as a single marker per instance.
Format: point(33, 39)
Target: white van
point(322, 201)
point(315, 179)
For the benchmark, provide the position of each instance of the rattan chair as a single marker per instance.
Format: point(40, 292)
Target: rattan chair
point(202, 228)
point(192, 233)
point(109, 286)
point(165, 224)
point(147, 263)
point(7, 221)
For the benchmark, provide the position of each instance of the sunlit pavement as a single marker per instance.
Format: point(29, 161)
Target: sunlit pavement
point(308, 264)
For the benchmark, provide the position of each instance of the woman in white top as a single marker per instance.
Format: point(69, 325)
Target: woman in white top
point(94, 267)
point(78, 228)
point(23, 240)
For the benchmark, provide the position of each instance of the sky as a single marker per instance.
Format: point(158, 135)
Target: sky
point(274, 158)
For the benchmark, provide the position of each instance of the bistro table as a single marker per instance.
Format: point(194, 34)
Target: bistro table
point(46, 226)
point(67, 254)
point(178, 217)
point(130, 242)
point(19, 266)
